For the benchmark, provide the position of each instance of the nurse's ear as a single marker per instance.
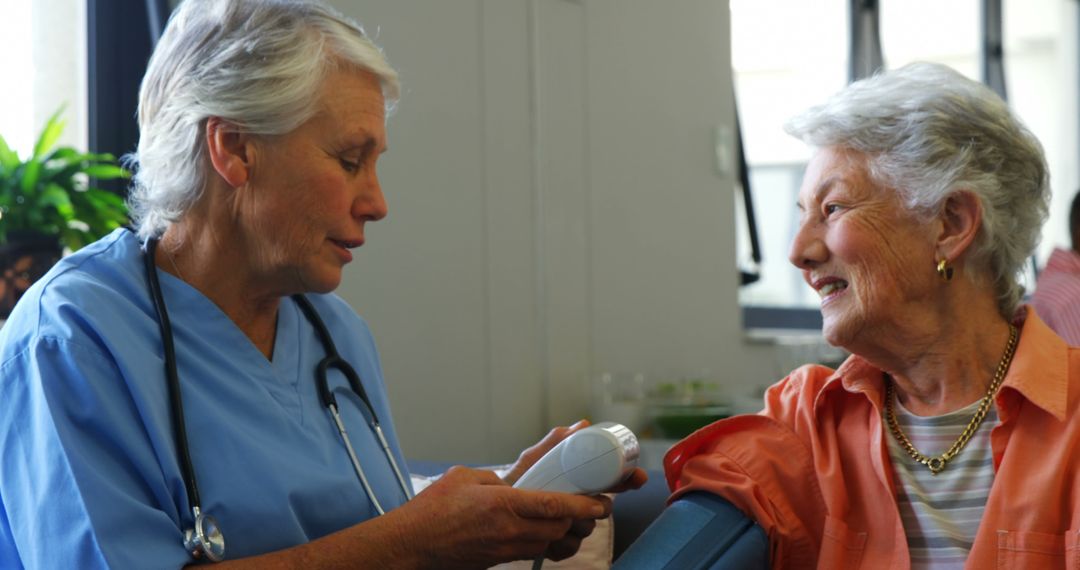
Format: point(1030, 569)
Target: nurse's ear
point(230, 150)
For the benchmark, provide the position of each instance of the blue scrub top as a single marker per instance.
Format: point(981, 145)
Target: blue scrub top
point(90, 476)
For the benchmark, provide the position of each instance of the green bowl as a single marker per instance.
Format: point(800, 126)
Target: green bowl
point(677, 422)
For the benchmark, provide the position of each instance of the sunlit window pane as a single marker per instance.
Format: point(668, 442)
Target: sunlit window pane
point(929, 30)
point(1041, 78)
point(16, 95)
point(782, 66)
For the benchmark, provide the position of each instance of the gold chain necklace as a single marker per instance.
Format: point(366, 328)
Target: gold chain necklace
point(937, 464)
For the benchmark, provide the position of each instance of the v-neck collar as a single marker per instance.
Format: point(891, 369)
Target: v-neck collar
point(278, 376)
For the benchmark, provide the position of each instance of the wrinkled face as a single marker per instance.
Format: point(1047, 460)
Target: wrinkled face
point(312, 190)
point(861, 249)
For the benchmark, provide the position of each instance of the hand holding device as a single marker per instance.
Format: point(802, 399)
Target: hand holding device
point(590, 461)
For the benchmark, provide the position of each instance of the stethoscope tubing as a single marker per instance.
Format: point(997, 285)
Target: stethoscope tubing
point(334, 360)
point(176, 403)
point(196, 539)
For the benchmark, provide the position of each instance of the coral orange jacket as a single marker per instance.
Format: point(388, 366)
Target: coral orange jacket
point(813, 468)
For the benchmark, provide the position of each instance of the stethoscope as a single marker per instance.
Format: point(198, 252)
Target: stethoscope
point(205, 537)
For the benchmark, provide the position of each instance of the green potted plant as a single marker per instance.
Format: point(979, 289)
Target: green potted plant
point(47, 205)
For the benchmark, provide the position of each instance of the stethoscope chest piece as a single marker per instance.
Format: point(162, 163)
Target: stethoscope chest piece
point(205, 539)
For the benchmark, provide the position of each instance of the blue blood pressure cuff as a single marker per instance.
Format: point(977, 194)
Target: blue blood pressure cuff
point(700, 531)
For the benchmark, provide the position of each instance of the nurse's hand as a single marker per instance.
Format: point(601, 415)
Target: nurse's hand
point(466, 519)
point(471, 518)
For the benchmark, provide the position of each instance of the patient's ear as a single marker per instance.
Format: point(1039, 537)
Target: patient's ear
point(960, 219)
point(230, 151)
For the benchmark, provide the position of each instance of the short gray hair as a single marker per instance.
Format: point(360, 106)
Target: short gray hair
point(929, 132)
point(255, 63)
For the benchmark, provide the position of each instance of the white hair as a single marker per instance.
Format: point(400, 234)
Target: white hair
point(255, 63)
point(928, 132)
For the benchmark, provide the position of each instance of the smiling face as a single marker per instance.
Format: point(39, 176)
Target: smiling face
point(312, 190)
point(862, 250)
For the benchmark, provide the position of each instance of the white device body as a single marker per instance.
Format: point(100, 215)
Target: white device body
point(590, 461)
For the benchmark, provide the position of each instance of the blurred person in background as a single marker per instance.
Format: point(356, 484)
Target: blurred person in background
point(1057, 292)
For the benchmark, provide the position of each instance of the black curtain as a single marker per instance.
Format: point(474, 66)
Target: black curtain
point(864, 44)
point(120, 37)
point(992, 52)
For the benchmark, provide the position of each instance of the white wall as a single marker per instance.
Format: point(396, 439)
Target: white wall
point(555, 210)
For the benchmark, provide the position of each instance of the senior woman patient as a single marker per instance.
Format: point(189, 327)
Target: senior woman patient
point(261, 126)
point(949, 438)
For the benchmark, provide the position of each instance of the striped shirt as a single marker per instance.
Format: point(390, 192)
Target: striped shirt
point(941, 513)
point(1057, 295)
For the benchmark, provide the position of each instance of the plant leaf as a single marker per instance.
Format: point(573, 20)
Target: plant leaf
point(31, 174)
point(49, 135)
point(56, 196)
point(63, 152)
point(100, 210)
point(105, 171)
point(73, 238)
point(48, 192)
point(8, 159)
point(107, 197)
point(70, 155)
point(66, 176)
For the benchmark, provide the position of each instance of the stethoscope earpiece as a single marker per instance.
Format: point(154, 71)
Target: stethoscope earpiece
point(205, 539)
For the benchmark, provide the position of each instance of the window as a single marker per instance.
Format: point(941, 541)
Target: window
point(17, 95)
point(45, 69)
point(782, 65)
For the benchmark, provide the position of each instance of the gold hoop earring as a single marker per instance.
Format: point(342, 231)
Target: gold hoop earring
point(944, 270)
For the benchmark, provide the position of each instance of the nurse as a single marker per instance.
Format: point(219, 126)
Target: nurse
point(261, 126)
